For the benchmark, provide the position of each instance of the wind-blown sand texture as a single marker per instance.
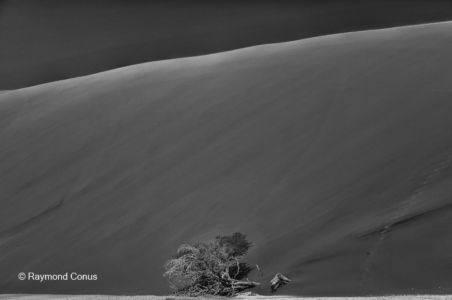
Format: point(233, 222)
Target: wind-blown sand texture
point(333, 154)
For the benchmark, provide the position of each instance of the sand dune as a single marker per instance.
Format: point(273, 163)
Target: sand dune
point(333, 154)
point(48, 40)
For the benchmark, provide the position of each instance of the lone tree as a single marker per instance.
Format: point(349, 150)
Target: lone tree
point(210, 268)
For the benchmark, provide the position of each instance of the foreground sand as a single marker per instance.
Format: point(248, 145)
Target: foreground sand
point(97, 297)
point(334, 155)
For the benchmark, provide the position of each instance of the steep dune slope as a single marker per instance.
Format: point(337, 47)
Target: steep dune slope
point(333, 154)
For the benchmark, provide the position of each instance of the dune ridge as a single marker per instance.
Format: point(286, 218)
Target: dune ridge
point(117, 33)
point(333, 154)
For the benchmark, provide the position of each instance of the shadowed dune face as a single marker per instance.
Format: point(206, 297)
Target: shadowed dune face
point(333, 154)
point(48, 40)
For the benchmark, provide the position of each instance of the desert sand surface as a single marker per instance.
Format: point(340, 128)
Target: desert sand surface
point(48, 40)
point(333, 154)
point(100, 297)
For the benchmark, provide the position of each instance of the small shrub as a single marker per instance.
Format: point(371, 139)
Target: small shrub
point(210, 268)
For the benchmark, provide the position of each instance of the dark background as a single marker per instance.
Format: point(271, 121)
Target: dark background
point(48, 40)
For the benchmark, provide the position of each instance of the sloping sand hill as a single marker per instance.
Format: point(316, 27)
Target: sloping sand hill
point(48, 40)
point(333, 154)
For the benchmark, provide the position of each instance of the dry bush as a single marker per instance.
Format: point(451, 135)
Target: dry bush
point(210, 268)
